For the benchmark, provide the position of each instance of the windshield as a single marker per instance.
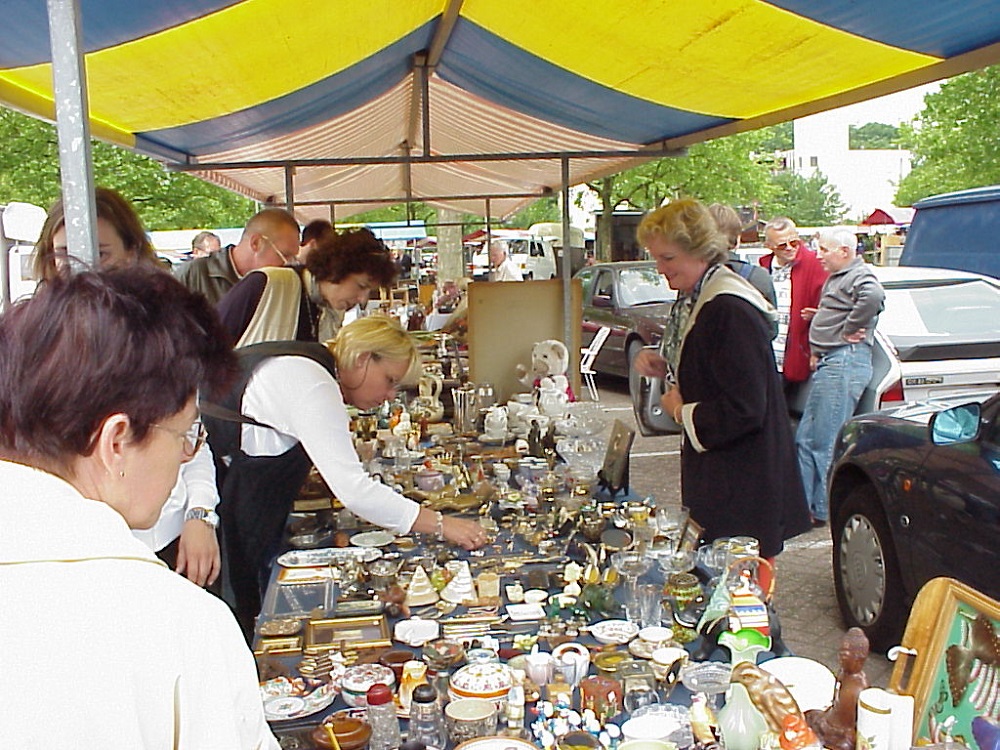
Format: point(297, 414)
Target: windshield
point(969, 309)
point(643, 286)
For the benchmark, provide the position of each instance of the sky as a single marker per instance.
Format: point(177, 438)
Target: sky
point(890, 110)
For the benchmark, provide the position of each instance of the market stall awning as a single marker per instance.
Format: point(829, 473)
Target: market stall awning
point(452, 102)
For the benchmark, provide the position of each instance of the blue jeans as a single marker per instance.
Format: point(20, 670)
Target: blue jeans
point(837, 385)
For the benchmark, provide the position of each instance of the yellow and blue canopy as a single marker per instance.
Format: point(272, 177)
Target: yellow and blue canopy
point(272, 81)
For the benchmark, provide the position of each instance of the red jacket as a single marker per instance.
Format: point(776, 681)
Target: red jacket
point(807, 282)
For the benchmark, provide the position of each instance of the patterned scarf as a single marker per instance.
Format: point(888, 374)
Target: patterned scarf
point(676, 326)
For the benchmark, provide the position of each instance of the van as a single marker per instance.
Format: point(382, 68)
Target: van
point(535, 256)
point(20, 225)
point(956, 230)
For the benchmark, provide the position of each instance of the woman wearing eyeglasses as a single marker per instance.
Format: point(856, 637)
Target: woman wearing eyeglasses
point(99, 374)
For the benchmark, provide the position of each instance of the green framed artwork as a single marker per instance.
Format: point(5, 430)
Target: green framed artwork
point(950, 663)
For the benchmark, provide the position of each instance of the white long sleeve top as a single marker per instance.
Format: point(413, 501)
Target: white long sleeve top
point(302, 402)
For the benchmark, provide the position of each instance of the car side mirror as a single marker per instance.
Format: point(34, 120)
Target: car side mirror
point(960, 424)
point(602, 300)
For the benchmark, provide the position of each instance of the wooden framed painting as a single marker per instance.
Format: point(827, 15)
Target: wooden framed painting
point(352, 632)
point(950, 663)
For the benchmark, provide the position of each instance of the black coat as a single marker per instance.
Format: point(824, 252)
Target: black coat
point(746, 480)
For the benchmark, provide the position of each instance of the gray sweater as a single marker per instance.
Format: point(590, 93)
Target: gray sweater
point(851, 300)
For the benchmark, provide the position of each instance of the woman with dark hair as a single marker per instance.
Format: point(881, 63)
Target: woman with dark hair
point(121, 239)
point(308, 303)
point(99, 374)
point(739, 472)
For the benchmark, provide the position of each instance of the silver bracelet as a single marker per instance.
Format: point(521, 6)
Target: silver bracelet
point(439, 529)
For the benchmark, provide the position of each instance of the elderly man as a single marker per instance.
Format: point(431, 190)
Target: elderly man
point(270, 238)
point(504, 268)
point(204, 244)
point(798, 278)
point(840, 340)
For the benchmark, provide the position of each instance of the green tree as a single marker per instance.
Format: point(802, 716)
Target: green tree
point(954, 142)
point(777, 137)
point(873, 135)
point(29, 171)
point(809, 201)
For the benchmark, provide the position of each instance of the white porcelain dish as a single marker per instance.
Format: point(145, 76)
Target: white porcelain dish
point(614, 632)
point(810, 683)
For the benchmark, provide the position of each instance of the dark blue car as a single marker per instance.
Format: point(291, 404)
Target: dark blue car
point(914, 494)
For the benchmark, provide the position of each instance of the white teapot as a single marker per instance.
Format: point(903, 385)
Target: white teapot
point(495, 424)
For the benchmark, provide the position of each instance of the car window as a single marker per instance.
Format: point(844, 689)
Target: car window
point(585, 276)
point(643, 286)
point(605, 285)
point(971, 309)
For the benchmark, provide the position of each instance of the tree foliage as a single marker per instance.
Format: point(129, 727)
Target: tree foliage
point(873, 135)
point(29, 171)
point(954, 144)
point(809, 201)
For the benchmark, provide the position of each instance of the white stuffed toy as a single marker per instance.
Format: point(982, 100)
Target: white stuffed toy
point(549, 359)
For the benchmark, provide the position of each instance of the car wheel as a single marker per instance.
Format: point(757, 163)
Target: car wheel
point(866, 571)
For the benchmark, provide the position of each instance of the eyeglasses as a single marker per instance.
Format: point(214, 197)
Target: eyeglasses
point(194, 437)
point(789, 245)
point(284, 258)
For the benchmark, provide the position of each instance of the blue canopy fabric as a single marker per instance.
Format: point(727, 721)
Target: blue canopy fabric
point(224, 82)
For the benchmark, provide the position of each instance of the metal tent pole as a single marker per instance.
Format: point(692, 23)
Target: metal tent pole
point(69, 82)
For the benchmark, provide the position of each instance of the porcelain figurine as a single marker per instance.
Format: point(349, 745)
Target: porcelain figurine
point(768, 694)
point(836, 727)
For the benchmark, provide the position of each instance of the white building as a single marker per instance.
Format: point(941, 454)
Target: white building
point(865, 179)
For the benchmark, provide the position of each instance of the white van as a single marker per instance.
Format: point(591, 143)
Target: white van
point(534, 255)
point(20, 225)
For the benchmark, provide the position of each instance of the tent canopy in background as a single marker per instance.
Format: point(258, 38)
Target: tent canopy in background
point(357, 104)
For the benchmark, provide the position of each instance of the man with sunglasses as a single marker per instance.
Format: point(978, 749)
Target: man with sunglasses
point(798, 279)
point(270, 238)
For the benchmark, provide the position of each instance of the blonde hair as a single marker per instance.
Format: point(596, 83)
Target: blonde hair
point(687, 223)
point(379, 335)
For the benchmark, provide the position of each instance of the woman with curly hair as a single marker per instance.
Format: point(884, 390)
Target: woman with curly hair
point(308, 303)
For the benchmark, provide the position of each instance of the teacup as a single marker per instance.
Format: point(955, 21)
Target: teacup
point(667, 664)
point(429, 480)
point(469, 718)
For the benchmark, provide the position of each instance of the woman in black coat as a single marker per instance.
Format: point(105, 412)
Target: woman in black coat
point(738, 464)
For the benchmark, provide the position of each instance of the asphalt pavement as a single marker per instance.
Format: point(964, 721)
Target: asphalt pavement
point(804, 596)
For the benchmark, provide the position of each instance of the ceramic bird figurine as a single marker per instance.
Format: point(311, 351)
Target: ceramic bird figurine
point(768, 694)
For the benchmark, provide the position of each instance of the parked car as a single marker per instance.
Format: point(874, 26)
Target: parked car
point(633, 300)
point(956, 230)
point(939, 334)
point(914, 494)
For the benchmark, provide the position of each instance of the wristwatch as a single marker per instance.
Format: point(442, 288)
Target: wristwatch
point(203, 514)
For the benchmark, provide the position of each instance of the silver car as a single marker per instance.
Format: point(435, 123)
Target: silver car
point(938, 335)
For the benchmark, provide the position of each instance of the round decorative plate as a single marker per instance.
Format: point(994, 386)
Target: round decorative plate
point(287, 707)
point(809, 682)
point(496, 743)
point(373, 539)
point(614, 632)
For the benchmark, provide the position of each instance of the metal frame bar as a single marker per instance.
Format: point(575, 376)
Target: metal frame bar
point(69, 83)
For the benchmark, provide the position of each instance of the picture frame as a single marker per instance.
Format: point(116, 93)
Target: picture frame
point(278, 646)
point(691, 535)
point(353, 632)
point(614, 474)
point(950, 654)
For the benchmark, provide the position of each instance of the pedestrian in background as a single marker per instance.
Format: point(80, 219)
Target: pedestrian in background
point(840, 339)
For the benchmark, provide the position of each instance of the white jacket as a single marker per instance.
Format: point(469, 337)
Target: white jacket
point(104, 646)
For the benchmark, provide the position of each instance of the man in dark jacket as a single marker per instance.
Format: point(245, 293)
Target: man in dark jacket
point(270, 238)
